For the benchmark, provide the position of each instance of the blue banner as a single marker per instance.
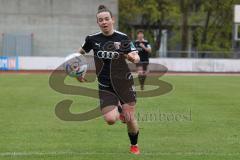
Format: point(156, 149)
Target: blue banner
point(8, 63)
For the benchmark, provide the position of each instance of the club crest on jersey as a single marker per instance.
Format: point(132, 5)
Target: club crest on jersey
point(117, 45)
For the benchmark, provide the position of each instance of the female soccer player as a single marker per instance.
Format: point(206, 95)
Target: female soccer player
point(111, 48)
point(144, 49)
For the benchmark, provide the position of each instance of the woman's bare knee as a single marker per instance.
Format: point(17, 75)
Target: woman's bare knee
point(110, 114)
point(110, 120)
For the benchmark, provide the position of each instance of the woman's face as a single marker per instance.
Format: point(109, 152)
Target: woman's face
point(140, 36)
point(105, 22)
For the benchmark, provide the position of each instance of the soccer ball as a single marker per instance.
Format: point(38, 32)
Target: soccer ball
point(75, 65)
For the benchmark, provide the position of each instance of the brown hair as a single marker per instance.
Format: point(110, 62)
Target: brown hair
point(140, 31)
point(102, 8)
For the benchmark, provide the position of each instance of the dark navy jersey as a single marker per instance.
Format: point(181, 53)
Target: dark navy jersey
point(108, 49)
point(143, 54)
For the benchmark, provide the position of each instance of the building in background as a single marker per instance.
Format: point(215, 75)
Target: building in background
point(47, 27)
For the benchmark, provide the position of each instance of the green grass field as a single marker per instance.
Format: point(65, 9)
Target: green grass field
point(200, 120)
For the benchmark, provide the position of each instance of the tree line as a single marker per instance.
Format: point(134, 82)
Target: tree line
point(203, 25)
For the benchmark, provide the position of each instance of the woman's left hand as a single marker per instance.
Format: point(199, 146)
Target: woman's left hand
point(133, 57)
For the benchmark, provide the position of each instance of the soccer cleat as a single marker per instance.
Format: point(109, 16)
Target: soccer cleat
point(134, 149)
point(81, 79)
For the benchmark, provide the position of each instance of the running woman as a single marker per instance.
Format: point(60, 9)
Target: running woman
point(144, 49)
point(116, 88)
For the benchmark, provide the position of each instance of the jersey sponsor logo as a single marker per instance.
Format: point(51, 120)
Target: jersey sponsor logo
point(8, 63)
point(108, 54)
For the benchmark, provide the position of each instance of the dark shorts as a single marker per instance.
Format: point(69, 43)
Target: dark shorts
point(108, 96)
point(144, 65)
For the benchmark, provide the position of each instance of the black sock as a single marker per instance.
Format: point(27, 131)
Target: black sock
point(143, 79)
point(140, 78)
point(133, 138)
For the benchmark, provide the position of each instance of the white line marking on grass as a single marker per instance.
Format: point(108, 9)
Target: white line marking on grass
point(19, 154)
